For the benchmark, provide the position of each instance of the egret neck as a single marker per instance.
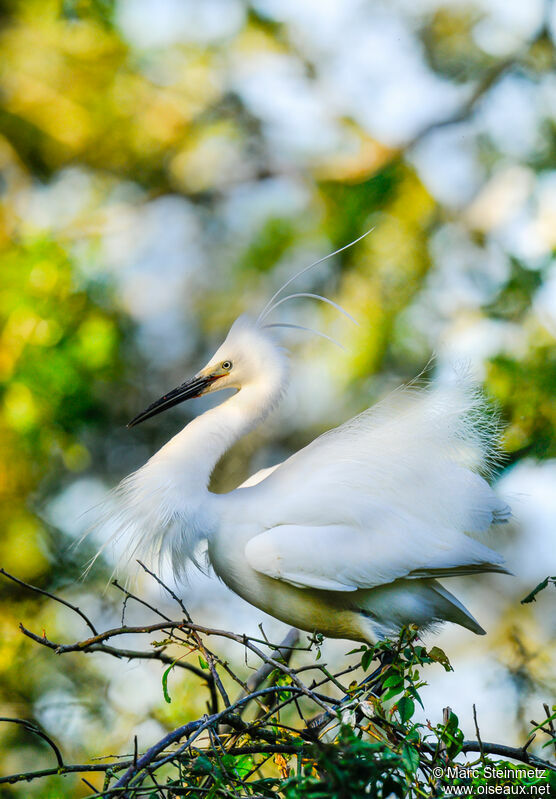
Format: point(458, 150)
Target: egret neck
point(193, 453)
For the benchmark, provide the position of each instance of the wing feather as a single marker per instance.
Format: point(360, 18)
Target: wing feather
point(393, 493)
point(337, 558)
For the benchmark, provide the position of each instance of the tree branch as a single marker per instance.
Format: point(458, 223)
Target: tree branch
point(41, 591)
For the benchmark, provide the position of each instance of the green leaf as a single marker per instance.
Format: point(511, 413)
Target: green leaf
point(406, 708)
point(391, 692)
point(540, 587)
point(202, 765)
point(413, 735)
point(414, 693)
point(452, 723)
point(367, 659)
point(410, 757)
point(165, 683)
point(547, 720)
point(203, 663)
point(241, 764)
point(394, 679)
point(439, 656)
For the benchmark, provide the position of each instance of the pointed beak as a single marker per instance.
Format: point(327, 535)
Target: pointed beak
point(188, 390)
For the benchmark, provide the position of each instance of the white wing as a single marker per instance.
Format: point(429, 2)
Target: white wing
point(390, 494)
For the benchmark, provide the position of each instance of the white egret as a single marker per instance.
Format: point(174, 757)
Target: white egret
point(348, 535)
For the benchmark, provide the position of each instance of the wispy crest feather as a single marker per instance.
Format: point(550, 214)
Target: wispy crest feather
point(308, 294)
point(305, 269)
point(308, 330)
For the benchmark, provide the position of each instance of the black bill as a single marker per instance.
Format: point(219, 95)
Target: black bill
point(188, 390)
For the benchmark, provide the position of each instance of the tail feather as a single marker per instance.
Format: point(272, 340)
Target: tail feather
point(455, 611)
point(460, 571)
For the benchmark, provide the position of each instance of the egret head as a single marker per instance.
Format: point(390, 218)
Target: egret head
point(249, 355)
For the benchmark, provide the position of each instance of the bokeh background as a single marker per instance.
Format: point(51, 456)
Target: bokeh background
point(164, 166)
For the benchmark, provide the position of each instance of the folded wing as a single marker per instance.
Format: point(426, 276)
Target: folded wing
point(395, 492)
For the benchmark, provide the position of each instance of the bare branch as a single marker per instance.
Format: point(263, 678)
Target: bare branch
point(34, 728)
point(167, 588)
point(37, 590)
point(516, 753)
point(478, 732)
point(129, 654)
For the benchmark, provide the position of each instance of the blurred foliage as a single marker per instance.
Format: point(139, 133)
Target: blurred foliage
point(60, 341)
point(99, 123)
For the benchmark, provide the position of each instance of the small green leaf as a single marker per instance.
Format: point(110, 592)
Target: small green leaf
point(406, 708)
point(414, 693)
point(165, 683)
point(394, 679)
point(453, 722)
point(439, 656)
point(367, 659)
point(413, 735)
point(540, 587)
point(203, 663)
point(410, 757)
point(202, 765)
point(241, 764)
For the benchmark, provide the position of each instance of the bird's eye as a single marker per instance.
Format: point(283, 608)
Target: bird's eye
point(227, 365)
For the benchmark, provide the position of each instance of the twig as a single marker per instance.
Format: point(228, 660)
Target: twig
point(37, 590)
point(210, 662)
point(129, 595)
point(167, 588)
point(194, 728)
point(284, 652)
point(550, 723)
point(129, 654)
point(32, 727)
point(76, 768)
point(266, 734)
point(478, 732)
point(465, 110)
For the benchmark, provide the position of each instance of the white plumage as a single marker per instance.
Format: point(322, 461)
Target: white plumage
point(348, 535)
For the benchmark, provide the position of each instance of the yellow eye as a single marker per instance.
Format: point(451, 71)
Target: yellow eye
point(226, 365)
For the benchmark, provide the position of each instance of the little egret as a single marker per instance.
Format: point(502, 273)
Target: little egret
point(347, 536)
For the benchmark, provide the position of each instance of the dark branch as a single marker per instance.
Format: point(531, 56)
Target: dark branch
point(37, 590)
point(36, 730)
point(516, 753)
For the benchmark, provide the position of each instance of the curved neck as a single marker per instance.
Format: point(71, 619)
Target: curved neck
point(195, 450)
